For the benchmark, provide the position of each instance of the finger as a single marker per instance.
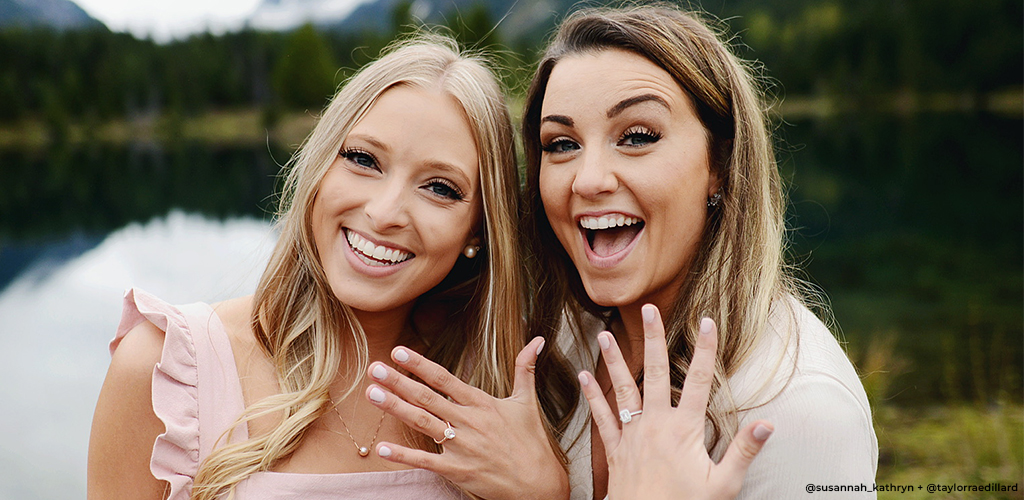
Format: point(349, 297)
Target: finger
point(627, 396)
point(436, 376)
point(524, 384)
point(606, 421)
point(693, 402)
point(412, 391)
point(744, 447)
point(657, 386)
point(412, 457)
point(415, 417)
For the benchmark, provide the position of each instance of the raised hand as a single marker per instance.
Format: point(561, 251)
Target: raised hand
point(495, 448)
point(659, 453)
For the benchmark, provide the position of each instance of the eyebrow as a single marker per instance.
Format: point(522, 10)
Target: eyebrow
point(452, 170)
point(373, 142)
point(564, 120)
point(633, 101)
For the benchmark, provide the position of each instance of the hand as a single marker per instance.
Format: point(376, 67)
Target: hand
point(500, 448)
point(660, 453)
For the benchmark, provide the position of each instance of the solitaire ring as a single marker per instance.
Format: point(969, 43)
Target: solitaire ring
point(626, 416)
point(449, 434)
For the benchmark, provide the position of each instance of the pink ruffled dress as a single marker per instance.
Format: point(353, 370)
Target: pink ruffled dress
point(197, 396)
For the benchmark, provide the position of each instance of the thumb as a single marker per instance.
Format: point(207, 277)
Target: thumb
point(524, 384)
point(744, 447)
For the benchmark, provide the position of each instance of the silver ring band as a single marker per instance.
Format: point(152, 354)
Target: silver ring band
point(626, 416)
point(449, 434)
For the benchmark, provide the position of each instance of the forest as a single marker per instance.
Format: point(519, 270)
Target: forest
point(879, 54)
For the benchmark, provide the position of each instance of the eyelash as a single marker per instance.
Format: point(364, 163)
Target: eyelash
point(351, 154)
point(649, 135)
point(552, 147)
point(455, 193)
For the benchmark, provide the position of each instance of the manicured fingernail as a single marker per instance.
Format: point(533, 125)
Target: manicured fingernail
point(401, 355)
point(384, 451)
point(761, 432)
point(541, 346)
point(647, 312)
point(706, 325)
point(376, 395)
point(584, 381)
point(379, 372)
point(602, 338)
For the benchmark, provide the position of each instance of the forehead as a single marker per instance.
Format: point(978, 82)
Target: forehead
point(593, 80)
point(420, 125)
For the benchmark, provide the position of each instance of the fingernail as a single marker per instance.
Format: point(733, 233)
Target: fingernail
point(376, 395)
point(584, 381)
point(647, 312)
point(705, 326)
point(401, 355)
point(602, 338)
point(379, 372)
point(761, 432)
point(541, 346)
point(384, 451)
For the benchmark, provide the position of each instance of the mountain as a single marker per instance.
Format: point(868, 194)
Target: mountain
point(527, 20)
point(59, 14)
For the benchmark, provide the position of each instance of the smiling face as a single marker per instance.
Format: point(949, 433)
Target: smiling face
point(400, 202)
point(624, 175)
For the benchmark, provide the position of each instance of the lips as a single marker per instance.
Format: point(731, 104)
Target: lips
point(375, 254)
point(610, 234)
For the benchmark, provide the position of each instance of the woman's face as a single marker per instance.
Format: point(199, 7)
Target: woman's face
point(400, 202)
point(624, 175)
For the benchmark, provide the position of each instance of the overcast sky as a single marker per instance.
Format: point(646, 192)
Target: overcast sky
point(165, 19)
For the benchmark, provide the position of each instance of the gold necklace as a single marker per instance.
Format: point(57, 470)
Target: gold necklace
point(362, 450)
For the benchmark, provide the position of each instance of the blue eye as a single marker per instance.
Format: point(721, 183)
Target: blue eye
point(360, 158)
point(560, 146)
point(444, 188)
point(639, 136)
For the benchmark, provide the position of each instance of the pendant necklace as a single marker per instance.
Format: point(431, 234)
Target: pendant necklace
point(362, 450)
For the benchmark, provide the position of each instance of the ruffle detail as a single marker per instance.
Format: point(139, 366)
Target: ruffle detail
point(175, 393)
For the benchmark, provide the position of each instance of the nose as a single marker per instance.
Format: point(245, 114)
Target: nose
point(594, 175)
point(386, 207)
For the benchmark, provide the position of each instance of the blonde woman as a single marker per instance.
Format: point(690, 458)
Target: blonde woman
point(396, 234)
point(652, 188)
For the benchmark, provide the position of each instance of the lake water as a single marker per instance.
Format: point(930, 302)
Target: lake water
point(912, 225)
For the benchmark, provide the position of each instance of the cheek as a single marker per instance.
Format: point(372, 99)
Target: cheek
point(553, 191)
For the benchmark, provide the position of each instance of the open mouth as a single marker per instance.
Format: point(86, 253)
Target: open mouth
point(610, 234)
point(375, 255)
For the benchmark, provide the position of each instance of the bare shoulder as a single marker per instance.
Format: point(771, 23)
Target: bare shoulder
point(236, 314)
point(124, 426)
point(256, 373)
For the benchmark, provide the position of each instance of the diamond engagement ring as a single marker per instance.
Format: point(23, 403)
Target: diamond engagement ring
point(449, 434)
point(626, 416)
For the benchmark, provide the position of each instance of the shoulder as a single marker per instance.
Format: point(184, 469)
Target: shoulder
point(236, 316)
point(125, 425)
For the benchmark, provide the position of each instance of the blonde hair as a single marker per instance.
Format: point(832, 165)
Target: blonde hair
point(738, 272)
point(304, 328)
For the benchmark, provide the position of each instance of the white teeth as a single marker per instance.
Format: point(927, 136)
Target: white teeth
point(378, 252)
point(608, 221)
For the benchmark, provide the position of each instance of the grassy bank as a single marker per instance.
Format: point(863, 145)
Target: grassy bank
point(966, 445)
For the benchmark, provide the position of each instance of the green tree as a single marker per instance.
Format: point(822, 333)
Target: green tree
point(304, 75)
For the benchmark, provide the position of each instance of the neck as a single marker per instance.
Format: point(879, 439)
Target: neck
point(632, 342)
point(384, 330)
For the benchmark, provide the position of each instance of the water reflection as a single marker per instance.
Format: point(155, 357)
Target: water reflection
point(58, 316)
point(913, 225)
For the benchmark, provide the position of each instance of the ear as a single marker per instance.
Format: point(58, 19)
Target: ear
point(714, 184)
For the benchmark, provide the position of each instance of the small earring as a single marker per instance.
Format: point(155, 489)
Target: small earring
point(470, 251)
point(715, 198)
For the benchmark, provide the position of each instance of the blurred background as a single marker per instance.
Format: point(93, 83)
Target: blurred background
point(141, 144)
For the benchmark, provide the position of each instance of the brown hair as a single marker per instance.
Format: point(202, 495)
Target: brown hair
point(738, 270)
